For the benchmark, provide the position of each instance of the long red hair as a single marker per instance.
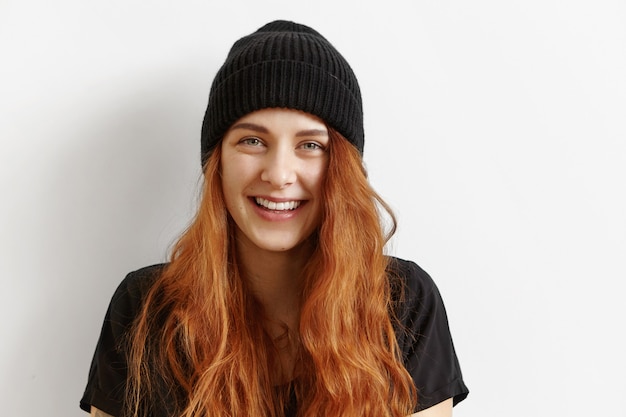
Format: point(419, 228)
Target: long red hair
point(199, 348)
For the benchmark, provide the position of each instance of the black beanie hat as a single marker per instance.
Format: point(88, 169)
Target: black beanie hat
point(289, 65)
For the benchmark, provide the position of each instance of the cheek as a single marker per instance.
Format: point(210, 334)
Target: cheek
point(229, 186)
point(227, 178)
point(231, 169)
point(315, 177)
point(237, 175)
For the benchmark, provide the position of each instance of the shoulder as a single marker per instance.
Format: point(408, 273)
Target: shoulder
point(416, 301)
point(130, 293)
point(423, 334)
point(139, 281)
point(107, 374)
point(409, 281)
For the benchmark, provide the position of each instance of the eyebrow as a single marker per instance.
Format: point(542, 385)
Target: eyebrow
point(261, 129)
point(312, 132)
point(250, 126)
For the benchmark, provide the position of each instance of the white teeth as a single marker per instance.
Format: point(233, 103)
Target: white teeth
point(272, 205)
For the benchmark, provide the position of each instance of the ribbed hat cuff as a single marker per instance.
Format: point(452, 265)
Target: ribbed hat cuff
point(281, 83)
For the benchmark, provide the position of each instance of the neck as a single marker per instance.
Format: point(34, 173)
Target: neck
point(275, 278)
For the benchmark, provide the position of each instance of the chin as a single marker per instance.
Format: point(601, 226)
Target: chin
point(279, 243)
point(278, 246)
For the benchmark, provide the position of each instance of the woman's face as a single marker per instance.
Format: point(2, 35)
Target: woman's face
point(273, 163)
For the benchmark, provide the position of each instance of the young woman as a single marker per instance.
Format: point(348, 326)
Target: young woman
point(278, 300)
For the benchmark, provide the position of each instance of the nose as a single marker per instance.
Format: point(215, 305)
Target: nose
point(280, 168)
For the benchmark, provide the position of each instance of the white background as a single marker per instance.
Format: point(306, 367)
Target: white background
point(496, 130)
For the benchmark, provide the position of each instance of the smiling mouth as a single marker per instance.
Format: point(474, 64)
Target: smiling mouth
point(277, 206)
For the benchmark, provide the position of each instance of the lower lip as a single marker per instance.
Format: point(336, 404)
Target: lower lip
point(275, 215)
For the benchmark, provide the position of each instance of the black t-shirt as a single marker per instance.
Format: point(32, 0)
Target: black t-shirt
point(426, 343)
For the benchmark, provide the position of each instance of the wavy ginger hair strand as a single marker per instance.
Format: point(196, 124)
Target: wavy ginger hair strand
point(199, 336)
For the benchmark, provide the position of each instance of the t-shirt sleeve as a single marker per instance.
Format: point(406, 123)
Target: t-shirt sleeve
point(424, 337)
point(106, 384)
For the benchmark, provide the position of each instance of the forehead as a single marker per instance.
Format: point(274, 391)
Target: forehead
point(281, 118)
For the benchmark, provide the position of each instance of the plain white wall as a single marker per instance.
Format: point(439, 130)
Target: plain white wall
point(495, 129)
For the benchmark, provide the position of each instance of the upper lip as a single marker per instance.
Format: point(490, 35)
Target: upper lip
point(277, 199)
